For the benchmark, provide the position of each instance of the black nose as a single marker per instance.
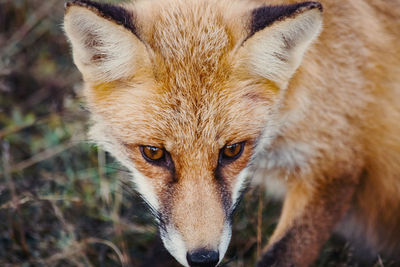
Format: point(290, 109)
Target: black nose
point(203, 258)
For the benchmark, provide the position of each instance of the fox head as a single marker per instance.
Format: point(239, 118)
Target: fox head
point(182, 93)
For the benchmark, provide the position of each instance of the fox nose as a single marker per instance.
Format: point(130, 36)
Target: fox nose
point(203, 258)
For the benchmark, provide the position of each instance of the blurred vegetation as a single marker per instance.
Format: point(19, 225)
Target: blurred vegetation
point(63, 202)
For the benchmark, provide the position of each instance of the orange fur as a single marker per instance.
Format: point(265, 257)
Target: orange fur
point(320, 120)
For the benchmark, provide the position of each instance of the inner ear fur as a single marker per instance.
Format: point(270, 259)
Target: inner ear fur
point(104, 40)
point(278, 38)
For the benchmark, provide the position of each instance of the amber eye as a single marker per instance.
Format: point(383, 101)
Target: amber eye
point(152, 153)
point(231, 152)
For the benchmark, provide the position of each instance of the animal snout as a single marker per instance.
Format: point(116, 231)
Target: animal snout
point(203, 258)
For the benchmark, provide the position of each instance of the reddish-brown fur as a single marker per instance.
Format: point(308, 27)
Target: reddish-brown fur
point(191, 89)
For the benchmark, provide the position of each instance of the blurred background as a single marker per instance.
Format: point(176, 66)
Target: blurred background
point(63, 202)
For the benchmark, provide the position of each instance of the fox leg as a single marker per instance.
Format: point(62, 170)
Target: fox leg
point(309, 214)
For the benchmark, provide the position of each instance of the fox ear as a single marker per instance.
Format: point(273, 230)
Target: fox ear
point(104, 43)
point(279, 37)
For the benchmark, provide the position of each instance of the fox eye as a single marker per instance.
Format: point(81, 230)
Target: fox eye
point(152, 153)
point(230, 153)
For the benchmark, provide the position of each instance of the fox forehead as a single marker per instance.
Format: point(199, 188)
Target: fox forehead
point(143, 114)
point(191, 48)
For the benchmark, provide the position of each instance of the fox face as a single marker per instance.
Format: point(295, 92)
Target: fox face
point(187, 156)
point(183, 94)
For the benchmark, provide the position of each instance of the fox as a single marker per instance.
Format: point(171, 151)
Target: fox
point(200, 99)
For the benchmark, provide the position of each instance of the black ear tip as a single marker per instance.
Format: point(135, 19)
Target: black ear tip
point(83, 3)
point(312, 5)
point(112, 12)
point(267, 15)
point(67, 4)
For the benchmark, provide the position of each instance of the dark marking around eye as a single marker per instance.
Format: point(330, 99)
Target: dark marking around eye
point(230, 153)
point(165, 161)
point(227, 155)
point(226, 196)
point(155, 155)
